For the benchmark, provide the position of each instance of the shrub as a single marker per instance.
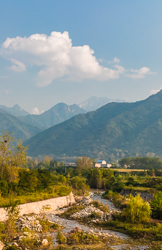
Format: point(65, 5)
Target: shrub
point(156, 206)
point(61, 239)
point(137, 210)
point(13, 247)
point(81, 238)
point(101, 206)
point(71, 210)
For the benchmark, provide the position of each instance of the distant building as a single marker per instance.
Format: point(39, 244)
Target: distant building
point(109, 165)
point(100, 163)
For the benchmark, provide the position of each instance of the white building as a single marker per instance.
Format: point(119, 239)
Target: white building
point(100, 163)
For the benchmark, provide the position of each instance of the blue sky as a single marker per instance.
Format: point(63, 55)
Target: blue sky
point(66, 51)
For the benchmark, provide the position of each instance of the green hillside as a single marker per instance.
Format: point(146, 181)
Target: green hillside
point(20, 129)
point(57, 114)
point(111, 132)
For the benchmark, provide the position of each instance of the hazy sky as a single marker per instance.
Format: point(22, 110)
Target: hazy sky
point(67, 51)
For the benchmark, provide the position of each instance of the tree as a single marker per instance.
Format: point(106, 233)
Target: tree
point(137, 210)
point(156, 206)
point(84, 162)
point(12, 156)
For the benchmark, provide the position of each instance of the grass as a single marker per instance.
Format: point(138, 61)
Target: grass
point(71, 210)
point(100, 206)
point(32, 197)
point(151, 231)
point(126, 170)
point(142, 189)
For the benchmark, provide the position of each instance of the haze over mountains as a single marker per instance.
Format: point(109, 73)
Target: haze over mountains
point(21, 130)
point(15, 110)
point(57, 114)
point(95, 102)
point(113, 131)
point(23, 127)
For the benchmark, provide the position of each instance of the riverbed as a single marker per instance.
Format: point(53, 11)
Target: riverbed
point(70, 224)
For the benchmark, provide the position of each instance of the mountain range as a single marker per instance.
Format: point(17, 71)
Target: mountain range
point(57, 114)
point(24, 127)
point(113, 131)
point(16, 110)
point(95, 102)
point(21, 130)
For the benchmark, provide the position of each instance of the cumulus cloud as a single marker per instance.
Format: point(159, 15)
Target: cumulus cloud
point(35, 111)
point(140, 73)
point(56, 58)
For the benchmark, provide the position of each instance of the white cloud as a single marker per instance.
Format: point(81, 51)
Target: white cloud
point(57, 58)
point(116, 60)
point(154, 91)
point(140, 73)
point(35, 111)
point(17, 66)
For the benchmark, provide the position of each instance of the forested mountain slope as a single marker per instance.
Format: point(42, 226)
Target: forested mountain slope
point(113, 131)
point(20, 129)
point(57, 114)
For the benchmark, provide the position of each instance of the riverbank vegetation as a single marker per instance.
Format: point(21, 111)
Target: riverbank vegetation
point(25, 180)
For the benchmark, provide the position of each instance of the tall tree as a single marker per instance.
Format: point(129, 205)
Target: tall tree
point(12, 156)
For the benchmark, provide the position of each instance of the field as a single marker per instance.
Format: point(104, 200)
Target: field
point(126, 170)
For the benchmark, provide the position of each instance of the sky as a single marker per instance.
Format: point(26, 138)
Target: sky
point(67, 51)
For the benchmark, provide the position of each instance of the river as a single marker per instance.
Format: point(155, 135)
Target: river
point(70, 224)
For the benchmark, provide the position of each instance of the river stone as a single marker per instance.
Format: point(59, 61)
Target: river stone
point(44, 242)
point(29, 222)
point(1, 245)
point(86, 212)
point(76, 229)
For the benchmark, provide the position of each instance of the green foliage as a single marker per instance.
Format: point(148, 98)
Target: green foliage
point(71, 210)
point(12, 247)
point(10, 229)
point(79, 184)
point(156, 206)
point(137, 210)
point(61, 239)
point(11, 158)
point(145, 231)
point(141, 162)
point(81, 238)
point(118, 199)
point(99, 205)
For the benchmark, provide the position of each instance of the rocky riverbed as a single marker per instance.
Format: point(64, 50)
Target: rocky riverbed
point(70, 225)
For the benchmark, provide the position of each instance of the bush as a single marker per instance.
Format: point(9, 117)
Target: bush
point(61, 239)
point(13, 247)
point(81, 238)
point(71, 210)
point(137, 210)
point(156, 206)
point(101, 206)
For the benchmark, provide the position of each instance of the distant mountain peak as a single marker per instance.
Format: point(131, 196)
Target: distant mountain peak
point(16, 110)
point(95, 102)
